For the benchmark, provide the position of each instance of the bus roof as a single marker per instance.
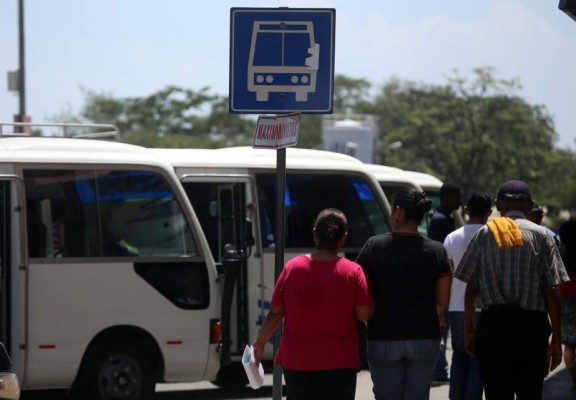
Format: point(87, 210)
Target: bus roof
point(387, 174)
point(426, 181)
point(247, 157)
point(78, 151)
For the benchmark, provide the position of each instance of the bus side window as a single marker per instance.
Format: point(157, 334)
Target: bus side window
point(265, 185)
point(203, 196)
point(140, 216)
point(56, 224)
point(78, 213)
point(36, 230)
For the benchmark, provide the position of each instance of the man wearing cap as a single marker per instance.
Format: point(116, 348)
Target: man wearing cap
point(512, 267)
point(536, 215)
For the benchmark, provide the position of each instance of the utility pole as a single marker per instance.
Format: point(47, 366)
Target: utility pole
point(22, 64)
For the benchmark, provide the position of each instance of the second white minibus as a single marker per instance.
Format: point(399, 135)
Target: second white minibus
point(393, 179)
point(233, 192)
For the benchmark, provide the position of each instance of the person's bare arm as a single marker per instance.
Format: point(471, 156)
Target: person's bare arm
point(269, 326)
point(469, 323)
point(364, 313)
point(443, 285)
point(554, 356)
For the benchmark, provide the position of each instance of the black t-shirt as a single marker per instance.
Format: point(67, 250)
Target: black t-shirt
point(402, 272)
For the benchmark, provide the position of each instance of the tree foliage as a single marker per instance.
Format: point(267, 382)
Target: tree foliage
point(351, 95)
point(476, 131)
point(171, 117)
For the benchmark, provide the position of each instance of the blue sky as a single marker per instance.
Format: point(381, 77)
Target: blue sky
point(135, 47)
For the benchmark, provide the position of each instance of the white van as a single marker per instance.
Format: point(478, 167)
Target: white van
point(108, 284)
point(233, 192)
point(431, 185)
point(393, 179)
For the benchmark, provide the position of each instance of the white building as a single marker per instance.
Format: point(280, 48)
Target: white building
point(354, 135)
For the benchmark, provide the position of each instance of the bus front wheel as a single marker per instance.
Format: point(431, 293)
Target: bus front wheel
point(116, 371)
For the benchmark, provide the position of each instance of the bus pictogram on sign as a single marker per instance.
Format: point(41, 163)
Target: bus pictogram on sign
point(283, 58)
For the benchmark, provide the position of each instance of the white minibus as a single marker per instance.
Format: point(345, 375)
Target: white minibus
point(108, 285)
point(393, 179)
point(431, 185)
point(233, 192)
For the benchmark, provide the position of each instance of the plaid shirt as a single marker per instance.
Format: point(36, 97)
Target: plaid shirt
point(512, 276)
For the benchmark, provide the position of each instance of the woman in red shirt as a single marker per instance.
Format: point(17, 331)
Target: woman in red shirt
point(320, 296)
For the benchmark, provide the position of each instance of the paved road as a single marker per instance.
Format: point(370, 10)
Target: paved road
point(556, 387)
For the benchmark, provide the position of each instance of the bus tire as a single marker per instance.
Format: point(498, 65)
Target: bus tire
point(115, 370)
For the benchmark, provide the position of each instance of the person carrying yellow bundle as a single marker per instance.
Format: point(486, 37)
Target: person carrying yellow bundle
point(506, 232)
point(512, 268)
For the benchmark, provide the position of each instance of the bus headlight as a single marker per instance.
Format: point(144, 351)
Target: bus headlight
point(9, 386)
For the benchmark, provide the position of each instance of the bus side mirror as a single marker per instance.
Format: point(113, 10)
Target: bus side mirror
point(9, 385)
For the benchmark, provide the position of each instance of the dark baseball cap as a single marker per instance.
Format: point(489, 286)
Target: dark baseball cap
point(514, 190)
point(537, 208)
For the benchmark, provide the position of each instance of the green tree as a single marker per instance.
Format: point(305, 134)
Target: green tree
point(310, 136)
point(351, 95)
point(201, 118)
point(476, 133)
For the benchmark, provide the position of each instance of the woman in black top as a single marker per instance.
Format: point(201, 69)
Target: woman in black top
point(410, 277)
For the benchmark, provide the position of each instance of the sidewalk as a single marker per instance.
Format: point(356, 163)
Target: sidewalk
point(557, 385)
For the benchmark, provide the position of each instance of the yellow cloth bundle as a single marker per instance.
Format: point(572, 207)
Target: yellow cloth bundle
point(506, 232)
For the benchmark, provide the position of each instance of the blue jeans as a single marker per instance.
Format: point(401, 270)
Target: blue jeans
point(465, 380)
point(401, 369)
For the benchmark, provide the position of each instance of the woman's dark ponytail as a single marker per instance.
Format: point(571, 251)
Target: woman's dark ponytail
point(414, 202)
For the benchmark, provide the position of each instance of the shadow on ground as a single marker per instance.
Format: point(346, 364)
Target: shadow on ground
point(197, 394)
point(559, 387)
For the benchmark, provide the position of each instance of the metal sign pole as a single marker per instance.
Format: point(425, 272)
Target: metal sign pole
point(279, 256)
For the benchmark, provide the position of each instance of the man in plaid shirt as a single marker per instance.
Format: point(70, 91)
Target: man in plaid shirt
point(512, 267)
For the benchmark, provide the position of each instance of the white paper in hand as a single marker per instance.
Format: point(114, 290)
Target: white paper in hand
point(255, 373)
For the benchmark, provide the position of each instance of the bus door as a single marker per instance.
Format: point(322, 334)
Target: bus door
point(12, 284)
point(223, 204)
point(4, 263)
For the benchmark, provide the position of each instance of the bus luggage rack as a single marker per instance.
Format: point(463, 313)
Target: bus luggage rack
point(71, 130)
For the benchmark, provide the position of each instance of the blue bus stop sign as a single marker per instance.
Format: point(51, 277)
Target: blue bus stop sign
point(281, 60)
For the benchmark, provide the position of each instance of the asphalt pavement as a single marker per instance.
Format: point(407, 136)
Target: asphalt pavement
point(557, 386)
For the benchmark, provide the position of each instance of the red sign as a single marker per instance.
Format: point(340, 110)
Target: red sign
point(276, 132)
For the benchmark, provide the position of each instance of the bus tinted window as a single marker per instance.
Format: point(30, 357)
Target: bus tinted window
point(308, 194)
point(82, 213)
point(390, 190)
point(185, 285)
